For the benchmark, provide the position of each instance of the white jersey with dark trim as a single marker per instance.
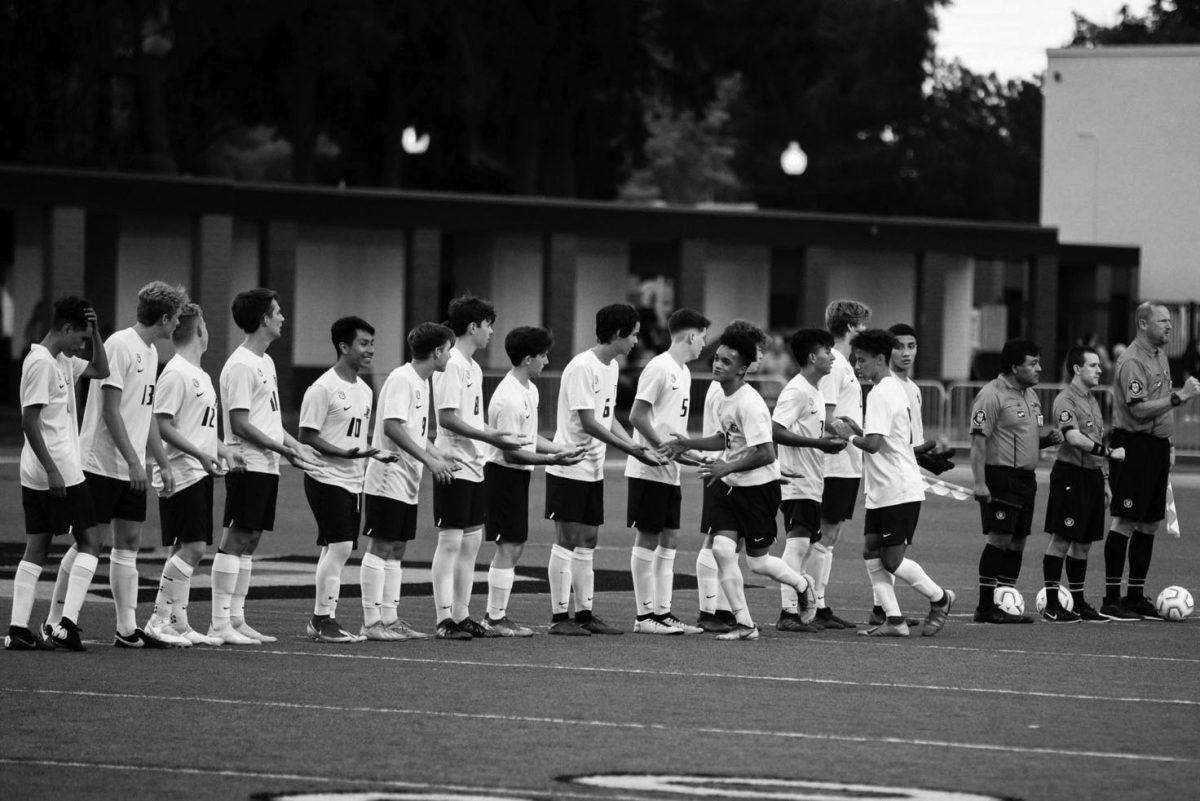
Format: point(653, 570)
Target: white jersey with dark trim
point(891, 475)
point(746, 424)
point(801, 410)
point(460, 388)
point(587, 383)
point(248, 381)
point(513, 409)
point(186, 393)
point(340, 412)
point(49, 382)
point(132, 369)
point(842, 391)
point(404, 397)
point(666, 385)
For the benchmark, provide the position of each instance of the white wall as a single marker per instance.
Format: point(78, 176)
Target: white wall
point(1121, 157)
point(601, 278)
point(150, 249)
point(884, 280)
point(737, 285)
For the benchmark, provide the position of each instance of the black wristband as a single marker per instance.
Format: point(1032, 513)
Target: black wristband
point(1175, 399)
point(1099, 450)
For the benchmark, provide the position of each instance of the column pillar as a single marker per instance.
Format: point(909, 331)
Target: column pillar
point(423, 279)
point(930, 317)
point(817, 263)
point(64, 250)
point(558, 304)
point(693, 274)
point(1043, 308)
point(277, 265)
point(211, 282)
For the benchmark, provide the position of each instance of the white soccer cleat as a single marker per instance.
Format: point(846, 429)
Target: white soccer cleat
point(243, 628)
point(228, 635)
point(686, 628)
point(740, 632)
point(405, 631)
point(195, 637)
point(160, 630)
point(807, 601)
point(380, 633)
point(652, 626)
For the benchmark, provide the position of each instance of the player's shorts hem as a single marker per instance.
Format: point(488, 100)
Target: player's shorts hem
point(1075, 506)
point(653, 505)
point(337, 511)
point(187, 514)
point(838, 499)
point(507, 503)
point(569, 500)
point(250, 500)
point(1139, 482)
point(748, 512)
point(71, 514)
point(460, 504)
point(114, 498)
point(1010, 511)
point(893, 525)
point(803, 514)
point(390, 519)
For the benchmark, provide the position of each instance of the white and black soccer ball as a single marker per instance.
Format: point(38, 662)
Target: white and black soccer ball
point(1009, 600)
point(1174, 603)
point(1064, 599)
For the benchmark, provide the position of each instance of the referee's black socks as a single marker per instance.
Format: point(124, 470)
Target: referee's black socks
point(1114, 565)
point(991, 562)
point(1141, 548)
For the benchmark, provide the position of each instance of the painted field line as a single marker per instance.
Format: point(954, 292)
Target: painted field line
point(602, 724)
point(722, 676)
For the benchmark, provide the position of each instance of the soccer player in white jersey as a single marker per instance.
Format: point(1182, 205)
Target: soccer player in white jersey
point(185, 408)
point(799, 421)
point(459, 507)
point(894, 489)
point(747, 496)
point(334, 421)
point(660, 409)
point(402, 421)
point(513, 409)
point(843, 470)
point(587, 401)
point(250, 409)
point(118, 430)
point(54, 494)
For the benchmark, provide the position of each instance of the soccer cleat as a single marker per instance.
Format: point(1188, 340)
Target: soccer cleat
point(807, 600)
point(193, 636)
point(160, 630)
point(1088, 614)
point(406, 631)
point(474, 628)
point(995, 614)
point(828, 620)
point(740, 632)
point(228, 635)
point(1059, 615)
point(687, 628)
point(1117, 611)
point(245, 630)
point(878, 617)
point(46, 631)
point(597, 625)
point(66, 635)
point(504, 628)
point(790, 621)
point(378, 632)
point(886, 629)
point(569, 628)
point(326, 629)
point(709, 622)
point(1141, 607)
point(20, 638)
point(651, 626)
point(449, 630)
point(937, 616)
point(140, 639)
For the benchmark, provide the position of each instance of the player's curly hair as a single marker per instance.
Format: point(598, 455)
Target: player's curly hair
point(159, 299)
point(841, 315)
point(70, 310)
point(743, 338)
point(874, 342)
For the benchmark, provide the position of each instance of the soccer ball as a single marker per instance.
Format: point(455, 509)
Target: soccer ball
point(1064, 599)
point(1009, 600)
point(1174, 603)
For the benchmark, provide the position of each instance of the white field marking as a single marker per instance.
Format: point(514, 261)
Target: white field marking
point(730, 676)
point(600, 724)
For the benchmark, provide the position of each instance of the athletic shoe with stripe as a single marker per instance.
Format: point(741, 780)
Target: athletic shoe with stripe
point(937, 615)
point(228, 635)
point(405, 631)
point(140, 639)
point(449, 630)
point(20, 638)
point(650, 625)
point(504, 628)
point(1088, 613)
point(327, 629)
point(475, 628)
point(66, 635)
point(193, 636)
point(1117, 611)
point(828, 620)
point(568, 628)
point(688, 628)
point(1141, 607)
point(245, 630)
point(740, 632)
point(790, 621)
point(1059, 615)
point(886, 630)
point(709, 622)
point(597, 625)
point(160, 629)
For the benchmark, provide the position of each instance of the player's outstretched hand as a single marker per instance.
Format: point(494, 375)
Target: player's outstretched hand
point(304, 458)
point(713, 471)
point(511, 442)
point(650, 456)
point(443, 468)
point(1117, 454)
point(235, 460)
point(212, 466)
point(842, 428)
point(1191, 388)
point(386, 457)
point(672, 448)
point(832, 444)
point(1055, 437)
point(691, 458)
point(853, 426)
point(570, 456)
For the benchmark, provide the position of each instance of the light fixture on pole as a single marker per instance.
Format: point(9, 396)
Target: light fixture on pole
point(793, 160)
point(413, 144)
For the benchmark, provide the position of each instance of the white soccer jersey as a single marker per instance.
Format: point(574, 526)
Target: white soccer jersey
point(586, 384)
point(842, 390)
point(186, 393)
point(712, 401)
point(891, 476)
point(801, 410)
point(745, 423)
point(667, 386)
point(460, 387)
point(914, 402)
point(49, 382)
point(513, 409)
point(404, 397)
point(340, 412)
point(132, 368)
point(249, 382)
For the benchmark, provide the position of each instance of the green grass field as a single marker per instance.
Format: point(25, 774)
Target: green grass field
point(1029, 712)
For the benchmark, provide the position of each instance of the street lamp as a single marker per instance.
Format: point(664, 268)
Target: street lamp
point(793, 160)
point(412, 143)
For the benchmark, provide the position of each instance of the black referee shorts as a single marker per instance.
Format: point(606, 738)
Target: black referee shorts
point(1075, 508)
point(1139, 483)
point(1011, 509)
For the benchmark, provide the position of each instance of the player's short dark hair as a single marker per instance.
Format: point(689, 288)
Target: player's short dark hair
point(874, 342)
point(527, 340)
point(683, 319)
point(428, 337)
point(343, 330)
point(1015, 352)
point(902, 330)
point(159, 299)
point(467, 309)
point(806, 341)
point(841, 314)
point(617, 319)
point(744, 339)
point(70, 310)
point(189, 323)
point(1076, 354)
point(250, 307)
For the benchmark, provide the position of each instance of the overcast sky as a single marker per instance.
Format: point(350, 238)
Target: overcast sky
point(1010, 37)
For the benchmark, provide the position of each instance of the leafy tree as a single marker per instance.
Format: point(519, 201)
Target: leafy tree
point(1165, 22)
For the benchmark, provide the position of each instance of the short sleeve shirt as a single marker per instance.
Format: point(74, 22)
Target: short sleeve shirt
point(185, 392)
point(667, 386)
point(587, 383)
point(340, 412)
point(49, 382)
point(890, 475)
point(1010, 419)
point(1077, 409)
point(513, 409)
point(712, 400)
point(460, 387)
point(746, 423)
point(842, 391)
point(404, 397)
point(801, 410)
point(914, 402)
point(1142, 374)
point(133, 368)
point(248, 381)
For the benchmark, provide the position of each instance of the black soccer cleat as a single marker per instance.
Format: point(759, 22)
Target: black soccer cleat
point(66, 635)
point(20, 638)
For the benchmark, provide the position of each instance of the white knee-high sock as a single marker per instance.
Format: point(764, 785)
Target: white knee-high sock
point(725, 552)
point(59, 595)
point(664, 579)
point(237, 604)
point(77, 585)
point(708, 582)
point(774, 567)
point(819, 559)
point(583, 578)
point(559, 574)
point(822, 579)
point(329, 577)
point(445, 559)
point(172, 587)
point(24, 590)
point(371, 576)
point(641, 566)
point(225, 570)
point(794, 552)
point(393, 575)
point(464, 574)
point(881, 581)
point(500, 584)
point(914, 575)
point(123, 581)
